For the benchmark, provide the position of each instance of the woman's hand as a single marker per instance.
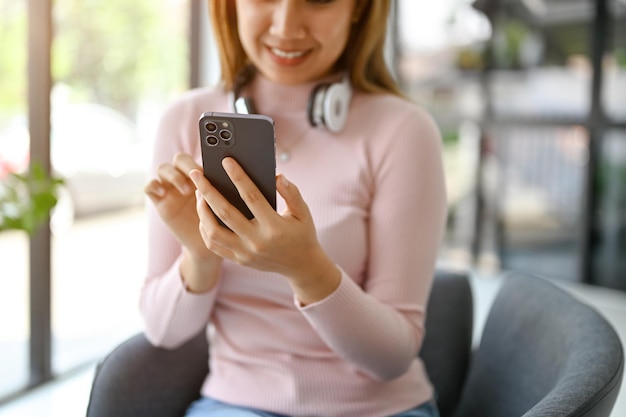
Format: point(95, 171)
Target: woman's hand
point(172, 194)
point(286, 244)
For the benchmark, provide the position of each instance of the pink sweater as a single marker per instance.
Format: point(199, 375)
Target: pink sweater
point(377, 195)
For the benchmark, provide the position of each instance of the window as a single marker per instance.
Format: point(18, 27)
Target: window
point(14, 326)
point(115, 66)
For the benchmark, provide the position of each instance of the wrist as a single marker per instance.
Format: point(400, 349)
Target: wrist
point(319, 280)
point(199, 274)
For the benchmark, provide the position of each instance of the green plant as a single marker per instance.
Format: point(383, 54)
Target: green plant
point(508, 41)
point(620, 57)
point(27, 199)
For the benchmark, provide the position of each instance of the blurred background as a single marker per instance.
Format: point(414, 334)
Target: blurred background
point(530, 96)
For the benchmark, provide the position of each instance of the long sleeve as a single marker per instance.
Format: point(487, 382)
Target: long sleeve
point(171, 314)
point(379, 326)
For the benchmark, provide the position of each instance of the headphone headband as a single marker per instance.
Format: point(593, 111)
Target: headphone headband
point(327, 107)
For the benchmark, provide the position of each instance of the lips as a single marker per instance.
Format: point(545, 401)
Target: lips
point(287, 54)
point(288, 57)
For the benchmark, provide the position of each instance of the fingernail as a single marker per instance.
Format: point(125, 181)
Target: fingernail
point(159, 191)
point(283, 181)
point(227, 163)
point(198, 195)
point(194, 174)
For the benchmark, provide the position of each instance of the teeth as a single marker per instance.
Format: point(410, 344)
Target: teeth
point(288, 55)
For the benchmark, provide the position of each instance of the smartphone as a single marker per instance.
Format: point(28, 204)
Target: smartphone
point(249, 139)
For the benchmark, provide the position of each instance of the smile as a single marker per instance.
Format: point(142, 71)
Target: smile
point(287, 54)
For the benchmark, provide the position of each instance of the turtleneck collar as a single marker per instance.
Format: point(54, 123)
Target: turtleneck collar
point(281, 100)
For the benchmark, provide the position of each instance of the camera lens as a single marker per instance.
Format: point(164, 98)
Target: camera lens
point(226, 134)
point(210, 126)
point(212, 140)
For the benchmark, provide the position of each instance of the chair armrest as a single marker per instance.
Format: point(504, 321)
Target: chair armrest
point(446, 350)
point(137, 379)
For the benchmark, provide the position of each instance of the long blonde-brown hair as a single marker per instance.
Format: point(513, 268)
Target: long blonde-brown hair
point(363, 56)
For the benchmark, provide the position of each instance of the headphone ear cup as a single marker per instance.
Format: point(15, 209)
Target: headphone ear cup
point(315, 106)
point(244, 105)
point(335, 106)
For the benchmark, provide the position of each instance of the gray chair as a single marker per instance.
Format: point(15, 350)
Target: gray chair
point(137, 379)
point(447, 347)
point(542, 353)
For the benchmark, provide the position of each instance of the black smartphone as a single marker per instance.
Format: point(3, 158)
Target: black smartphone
point(250, 140)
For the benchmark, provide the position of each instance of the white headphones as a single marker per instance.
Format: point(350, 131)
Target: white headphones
point(327, 107)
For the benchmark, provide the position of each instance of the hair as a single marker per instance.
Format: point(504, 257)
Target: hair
point(363, 57)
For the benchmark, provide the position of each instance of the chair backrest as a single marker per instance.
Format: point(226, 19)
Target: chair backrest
point(448, 342)
point(542, 353)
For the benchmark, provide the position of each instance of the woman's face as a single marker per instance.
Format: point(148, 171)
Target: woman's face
point(294, 41)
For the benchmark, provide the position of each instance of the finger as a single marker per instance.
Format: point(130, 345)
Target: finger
point(209, 227)
point(218, 204)
point(296, 206)
point(211, 232)
point(213, 246)
point(218, 239)
point(154, 190)
point(177, 172)
point(248, 191)
point(185, 163)
point(170, 176)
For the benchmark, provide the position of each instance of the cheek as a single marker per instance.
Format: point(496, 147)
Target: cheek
point(244, 37)
point(248, 28)
point(335, 36)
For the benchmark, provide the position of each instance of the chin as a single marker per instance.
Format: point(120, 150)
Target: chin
point(289, 77)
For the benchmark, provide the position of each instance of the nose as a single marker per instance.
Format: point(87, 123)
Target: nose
point(288, 20)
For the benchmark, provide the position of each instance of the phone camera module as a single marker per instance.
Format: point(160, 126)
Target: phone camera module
point(226, 135)
point(210, 126)
point(212, 140)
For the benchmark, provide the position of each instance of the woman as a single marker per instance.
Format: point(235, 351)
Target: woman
point(317, 308)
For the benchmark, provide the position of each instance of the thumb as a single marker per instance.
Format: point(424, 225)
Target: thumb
point(296, 206)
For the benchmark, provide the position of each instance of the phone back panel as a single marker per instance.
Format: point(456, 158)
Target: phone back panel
point(250, 140)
